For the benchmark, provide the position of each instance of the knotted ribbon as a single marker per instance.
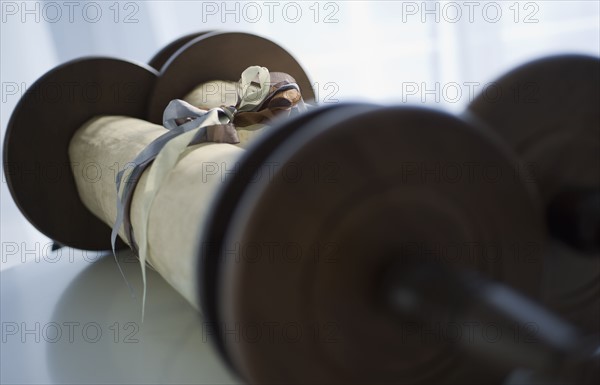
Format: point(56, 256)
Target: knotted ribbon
point(188, 125)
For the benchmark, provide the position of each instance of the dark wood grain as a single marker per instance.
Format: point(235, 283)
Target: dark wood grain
point(220, 56)
point(36, 160)
point(162, 56)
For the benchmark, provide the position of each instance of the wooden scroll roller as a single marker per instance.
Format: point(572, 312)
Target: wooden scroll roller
point(547, 110)
point(162, 56)
point(296, 250)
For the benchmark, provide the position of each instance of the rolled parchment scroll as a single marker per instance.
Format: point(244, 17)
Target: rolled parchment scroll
point(105, 145)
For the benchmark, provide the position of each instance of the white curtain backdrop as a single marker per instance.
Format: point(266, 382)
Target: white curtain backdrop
point(380, 51)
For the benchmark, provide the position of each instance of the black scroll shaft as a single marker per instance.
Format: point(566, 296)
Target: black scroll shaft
point(574, 217)
point(546, 345)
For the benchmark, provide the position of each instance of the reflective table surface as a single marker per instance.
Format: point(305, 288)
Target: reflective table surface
point(69, 317)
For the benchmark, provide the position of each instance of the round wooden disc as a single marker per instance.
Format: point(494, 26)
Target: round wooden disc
point(351, 193)
point(547, 110)
point(220, 56)
point(165, 54)
point(219, 216)
point(36, 161)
